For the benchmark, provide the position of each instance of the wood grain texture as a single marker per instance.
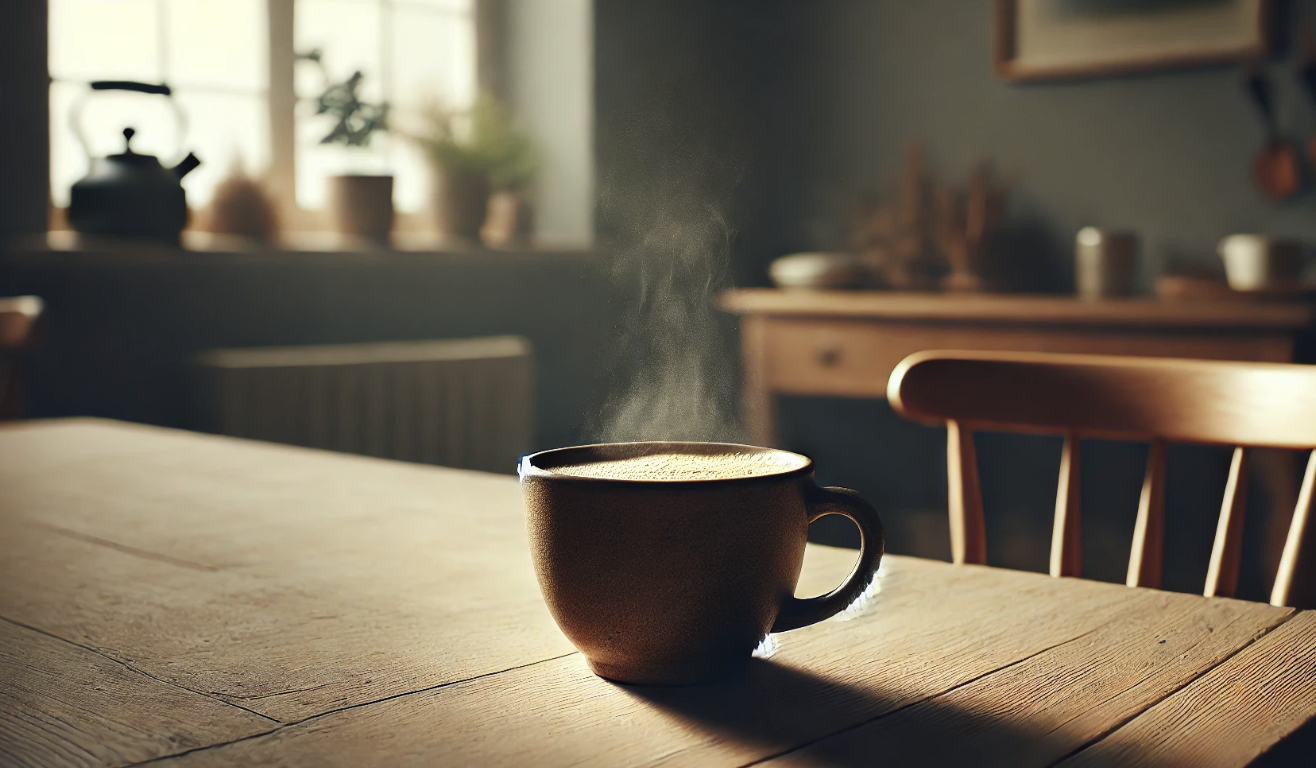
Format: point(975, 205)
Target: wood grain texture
point(1021, 308)
point(287, 580)
point(1049, 705)
point(1067, 529)
point(934, 640)
point(1227, 550)
point(968, 529)
point(65, 705)
point(1230, 715)
point(1149, 528)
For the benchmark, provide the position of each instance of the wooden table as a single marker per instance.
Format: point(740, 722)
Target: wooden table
point(233, 603)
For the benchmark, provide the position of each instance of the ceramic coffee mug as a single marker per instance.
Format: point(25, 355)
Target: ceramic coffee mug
point(1258, 262)
point(676, 581)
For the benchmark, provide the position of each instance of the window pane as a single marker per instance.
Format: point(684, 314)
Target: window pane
point(105, 40)
point(219, 43)
point(411, 177)
point(223, 128)
point(348, 33)
point(104, 116)
point(68, 162)
point(433, 56)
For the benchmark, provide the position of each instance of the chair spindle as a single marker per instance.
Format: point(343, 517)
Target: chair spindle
point(1227, 552)
point(1297, 566)
point(1067, 535)
point(1149, 532)
point(968, 534)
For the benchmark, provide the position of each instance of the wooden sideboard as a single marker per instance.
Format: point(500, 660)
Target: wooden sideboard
point(846, 343)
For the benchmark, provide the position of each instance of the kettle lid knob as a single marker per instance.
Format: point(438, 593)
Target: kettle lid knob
point(128, 134)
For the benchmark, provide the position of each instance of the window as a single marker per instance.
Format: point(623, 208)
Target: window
point(216, 54)
point(412, 52)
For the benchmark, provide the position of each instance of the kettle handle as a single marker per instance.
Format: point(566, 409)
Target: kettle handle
point(75, 116)
point(131, 85)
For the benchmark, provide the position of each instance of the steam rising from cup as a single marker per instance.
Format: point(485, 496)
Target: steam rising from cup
point(673, 374)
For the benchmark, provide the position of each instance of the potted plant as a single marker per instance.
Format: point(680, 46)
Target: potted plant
point(472, 154)
point(361, 204)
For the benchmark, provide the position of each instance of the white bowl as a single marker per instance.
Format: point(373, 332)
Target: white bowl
point(819, 271)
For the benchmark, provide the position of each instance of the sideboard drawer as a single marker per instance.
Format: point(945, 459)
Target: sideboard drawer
point(821, 357)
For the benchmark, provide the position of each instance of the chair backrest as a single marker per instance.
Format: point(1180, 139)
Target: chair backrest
point(1155, 399)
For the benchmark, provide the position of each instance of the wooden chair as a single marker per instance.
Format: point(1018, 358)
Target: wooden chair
point(1155, 399)
point(19, 320)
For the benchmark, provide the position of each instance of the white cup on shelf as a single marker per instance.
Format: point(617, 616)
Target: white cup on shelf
point(1258, 262)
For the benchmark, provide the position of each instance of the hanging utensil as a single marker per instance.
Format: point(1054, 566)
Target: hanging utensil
point(1277, 166)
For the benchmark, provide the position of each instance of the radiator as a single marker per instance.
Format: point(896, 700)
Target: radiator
point(459, 402)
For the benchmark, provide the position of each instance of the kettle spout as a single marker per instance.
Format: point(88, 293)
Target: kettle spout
point(188, 165)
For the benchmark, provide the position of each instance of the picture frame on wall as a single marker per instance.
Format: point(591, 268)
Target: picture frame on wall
point(1064, 39)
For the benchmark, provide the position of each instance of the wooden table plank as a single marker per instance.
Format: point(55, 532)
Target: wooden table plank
point(290, 581)
point(927, 645)
point(1230, 715)
point(65, 705)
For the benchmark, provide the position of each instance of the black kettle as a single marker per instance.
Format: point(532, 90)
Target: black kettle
point(130, 195)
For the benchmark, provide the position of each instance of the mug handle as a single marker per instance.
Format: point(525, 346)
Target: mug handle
point(820, 502)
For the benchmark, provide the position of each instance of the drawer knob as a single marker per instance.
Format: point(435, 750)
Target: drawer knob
point(829, 357)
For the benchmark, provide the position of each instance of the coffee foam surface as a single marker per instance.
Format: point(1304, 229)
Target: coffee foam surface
point(672, 467)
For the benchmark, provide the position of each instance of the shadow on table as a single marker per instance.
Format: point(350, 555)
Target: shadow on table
point(841, 725)
point(772, 707)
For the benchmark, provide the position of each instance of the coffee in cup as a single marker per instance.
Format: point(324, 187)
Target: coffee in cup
point(667, 563)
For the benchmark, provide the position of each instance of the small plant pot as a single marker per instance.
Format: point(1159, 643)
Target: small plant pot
point(461, 202)
point(510, 223)
point(362, 206)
